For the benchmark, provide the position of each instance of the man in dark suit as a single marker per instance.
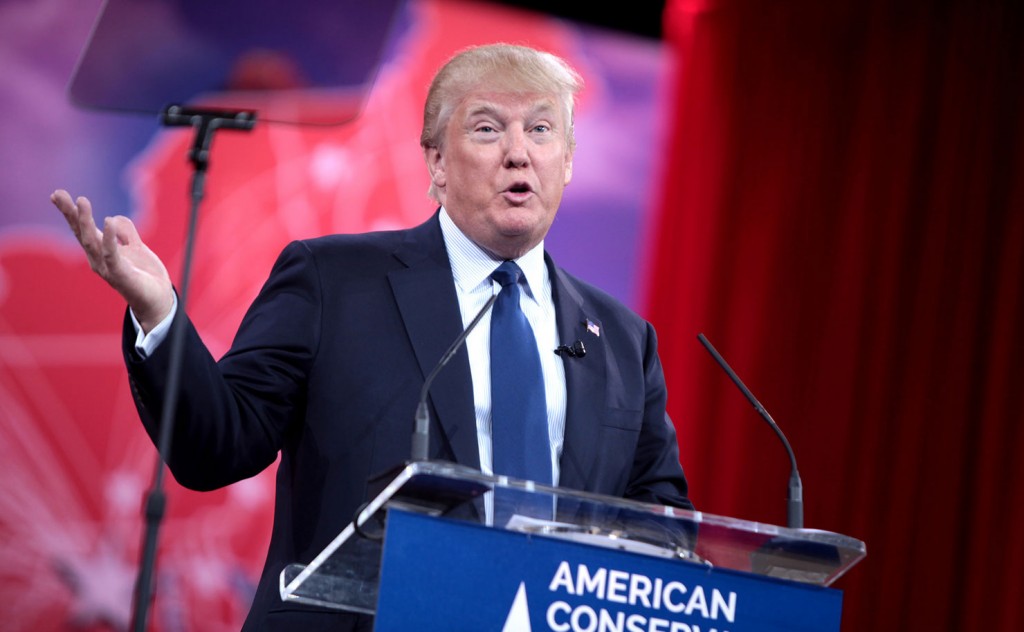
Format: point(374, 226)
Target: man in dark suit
point(327, 365)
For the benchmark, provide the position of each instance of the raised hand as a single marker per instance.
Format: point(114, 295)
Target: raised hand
point(120, 257)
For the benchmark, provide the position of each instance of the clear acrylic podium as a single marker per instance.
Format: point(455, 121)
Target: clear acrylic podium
point(346, 574)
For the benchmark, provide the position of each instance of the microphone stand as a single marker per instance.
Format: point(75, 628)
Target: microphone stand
point(205, 122)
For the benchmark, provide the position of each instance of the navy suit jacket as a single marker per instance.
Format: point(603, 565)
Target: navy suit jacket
point(326, 370)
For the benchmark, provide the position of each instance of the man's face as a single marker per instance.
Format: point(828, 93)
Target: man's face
point(501, 168)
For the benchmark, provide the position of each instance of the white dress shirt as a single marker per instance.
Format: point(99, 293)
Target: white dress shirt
point(471, 269)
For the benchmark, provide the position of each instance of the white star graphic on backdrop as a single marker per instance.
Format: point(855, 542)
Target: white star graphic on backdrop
point(102, 584)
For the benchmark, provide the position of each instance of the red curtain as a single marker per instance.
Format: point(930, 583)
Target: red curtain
point(843, 217)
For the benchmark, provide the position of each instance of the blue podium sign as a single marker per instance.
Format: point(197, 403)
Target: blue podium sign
point(438, 574)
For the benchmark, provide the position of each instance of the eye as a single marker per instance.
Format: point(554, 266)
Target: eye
point(485, 128)
point(543, 129)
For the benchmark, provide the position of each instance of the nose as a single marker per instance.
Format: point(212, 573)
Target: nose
point(517, 154)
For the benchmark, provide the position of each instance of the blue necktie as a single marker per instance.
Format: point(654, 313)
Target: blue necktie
point(519, 420)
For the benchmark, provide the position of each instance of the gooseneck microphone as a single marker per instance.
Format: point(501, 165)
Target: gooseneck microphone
point(795, 501)
point(421, 433)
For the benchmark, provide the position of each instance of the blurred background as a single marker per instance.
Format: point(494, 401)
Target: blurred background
point(830, 190)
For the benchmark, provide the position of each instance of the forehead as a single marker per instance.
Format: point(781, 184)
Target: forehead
point(483, 102)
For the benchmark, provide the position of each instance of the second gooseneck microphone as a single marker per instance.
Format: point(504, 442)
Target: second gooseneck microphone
point(795, 501)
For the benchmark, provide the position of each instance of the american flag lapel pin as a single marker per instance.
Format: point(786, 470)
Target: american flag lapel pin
point(593, 327)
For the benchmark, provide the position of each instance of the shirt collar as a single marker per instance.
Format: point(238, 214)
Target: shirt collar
point(472, 265)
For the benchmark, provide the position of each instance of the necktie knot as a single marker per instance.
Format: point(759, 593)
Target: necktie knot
point(508, 273)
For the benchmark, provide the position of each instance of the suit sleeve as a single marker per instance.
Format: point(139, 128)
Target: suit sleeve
point(656, 476)
point(233, 416)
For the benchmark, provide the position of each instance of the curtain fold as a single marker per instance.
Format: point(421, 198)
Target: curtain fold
point(843, 217)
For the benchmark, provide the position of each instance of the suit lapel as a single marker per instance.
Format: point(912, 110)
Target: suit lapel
point(585, 381)
point(429, 308)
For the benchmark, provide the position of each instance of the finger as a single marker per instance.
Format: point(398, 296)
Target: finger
point(123, 228)
point(62, 200)
point(120, 242)
point(84, 226)
point(86, 220)
point(78, 214)
point(110, 252)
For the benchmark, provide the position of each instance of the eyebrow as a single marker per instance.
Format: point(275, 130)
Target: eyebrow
point(540, 107)
point(483, 108)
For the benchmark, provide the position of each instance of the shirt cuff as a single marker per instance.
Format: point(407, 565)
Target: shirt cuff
point(146, 344)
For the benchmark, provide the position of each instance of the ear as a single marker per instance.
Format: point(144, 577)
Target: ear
point(568, 168)
point(435, 165)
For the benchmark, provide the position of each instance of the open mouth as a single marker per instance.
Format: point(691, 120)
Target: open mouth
point(519, 187)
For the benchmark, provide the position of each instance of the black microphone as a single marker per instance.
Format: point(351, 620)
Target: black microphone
point(421, 434)
point(575, 350)
point(795, 501)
